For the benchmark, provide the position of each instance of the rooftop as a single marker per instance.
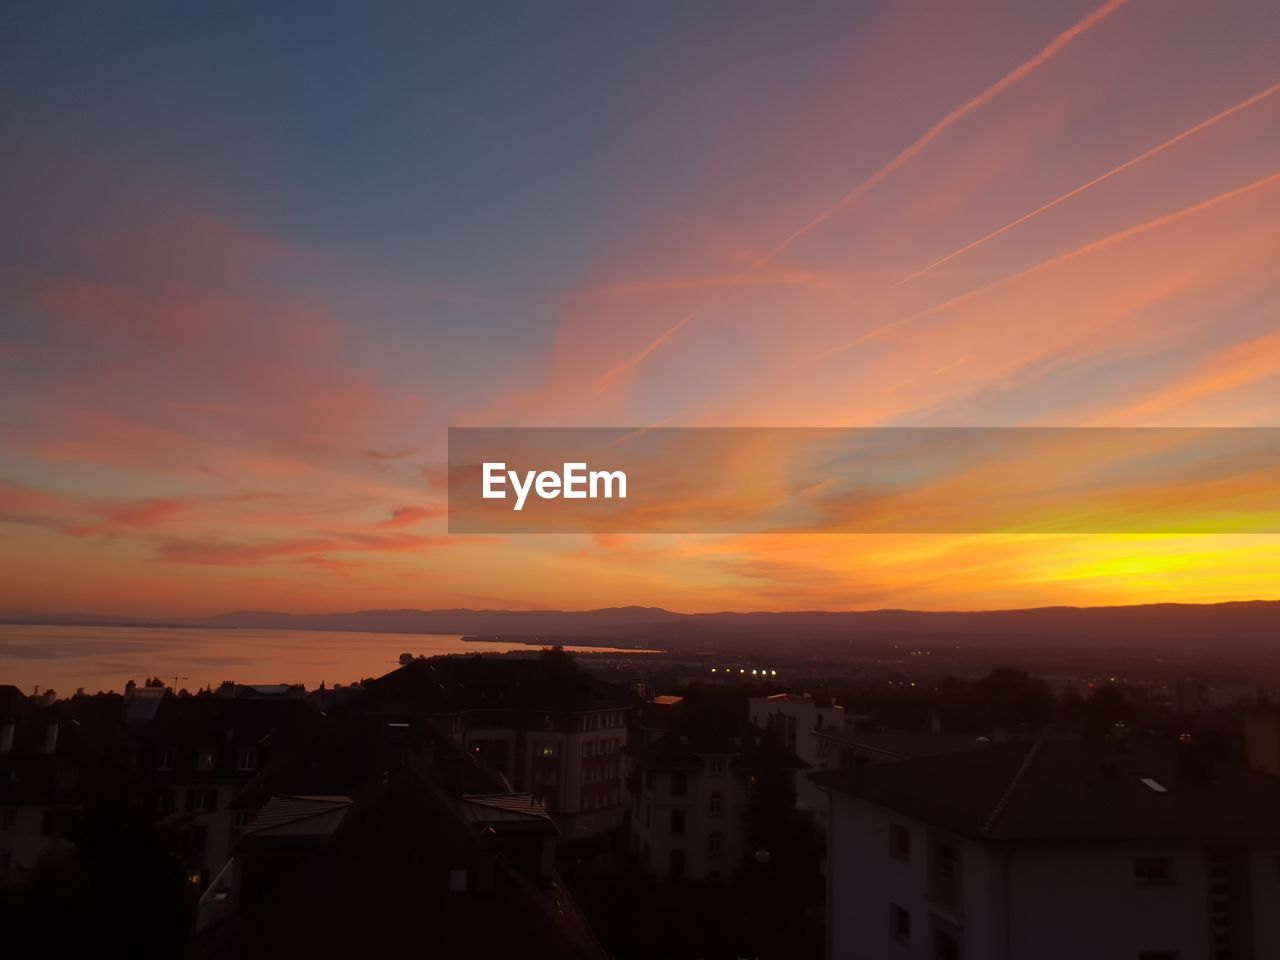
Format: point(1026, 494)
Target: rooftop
point(1074, 789)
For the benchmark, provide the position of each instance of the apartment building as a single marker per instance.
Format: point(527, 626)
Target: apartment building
point(1054, 850)
point(551, 730)
point(691, 781)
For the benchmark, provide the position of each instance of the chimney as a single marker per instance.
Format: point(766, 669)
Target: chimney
point(129, 689)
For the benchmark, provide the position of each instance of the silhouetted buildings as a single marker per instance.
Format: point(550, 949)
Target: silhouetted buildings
point(548, 728)
point(694, 765)
point(425, 858)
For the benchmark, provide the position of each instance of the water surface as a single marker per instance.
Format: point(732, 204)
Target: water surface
point(104, 658)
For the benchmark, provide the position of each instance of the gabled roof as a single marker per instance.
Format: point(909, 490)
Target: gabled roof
point(1074, 790)
point(289, 810)
point(503, 807)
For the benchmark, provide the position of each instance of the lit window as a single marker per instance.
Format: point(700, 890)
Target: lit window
point(204, 759)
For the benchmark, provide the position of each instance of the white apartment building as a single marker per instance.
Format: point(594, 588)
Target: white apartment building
point(1053, 850)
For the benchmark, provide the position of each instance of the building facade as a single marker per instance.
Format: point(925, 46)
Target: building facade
point(1052, 850)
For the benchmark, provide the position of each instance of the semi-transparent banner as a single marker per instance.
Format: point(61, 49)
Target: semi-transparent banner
point(864, 480)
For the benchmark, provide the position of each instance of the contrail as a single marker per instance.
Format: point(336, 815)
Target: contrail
point(1004, 83)
point(1159, 148)
point(1061, 258)
point(653, 345)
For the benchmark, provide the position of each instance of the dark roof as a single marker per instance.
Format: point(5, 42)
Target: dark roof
point(450, 684)
point(12, 702)
point(1074, 789)
point(903, 744)
point(701, 731)
point(283, 810)
point(212, 719)
point(380, 884)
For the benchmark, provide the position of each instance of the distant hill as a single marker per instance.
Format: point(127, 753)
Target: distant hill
point(1257, 620)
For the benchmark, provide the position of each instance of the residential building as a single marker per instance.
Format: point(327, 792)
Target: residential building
point(551, 730)
point(801, 722)
point(413, 866)
point(691, 779)
point(1054, 849)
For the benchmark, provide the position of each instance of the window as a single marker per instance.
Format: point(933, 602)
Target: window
point(242, 819)
point(679, 784)
point(944, 875)
point(677, 823)
point(899, 923)
point(676, 863)
point(899, 842)
point(715, 841)
point(202, 800)
point(1152, 871)
point(247, 758)
point(716, 804)
point(548, 748)
point(717, 766)
point(204, 759)
point(9, 818)
point(945, 946)
point(164, 759)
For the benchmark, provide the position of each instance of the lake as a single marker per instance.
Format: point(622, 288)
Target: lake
point(104, 658)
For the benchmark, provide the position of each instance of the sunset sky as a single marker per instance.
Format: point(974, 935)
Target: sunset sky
point(258, 257)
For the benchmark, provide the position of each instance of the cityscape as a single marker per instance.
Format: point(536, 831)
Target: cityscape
point(647, 480)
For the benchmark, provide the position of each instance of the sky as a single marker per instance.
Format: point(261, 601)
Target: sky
point(257, 258)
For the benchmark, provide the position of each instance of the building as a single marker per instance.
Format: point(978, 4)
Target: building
point(1054, 849)
point(413, 867)
point(197, 754)
point(691, 780)
point(42, 756)
point(801, 721)
point(550, 729)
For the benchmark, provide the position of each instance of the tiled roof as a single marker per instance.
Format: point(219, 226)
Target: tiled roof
point(486, 808)
point(279, 811)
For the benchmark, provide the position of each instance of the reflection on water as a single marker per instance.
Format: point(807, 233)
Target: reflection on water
point(104, 658)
